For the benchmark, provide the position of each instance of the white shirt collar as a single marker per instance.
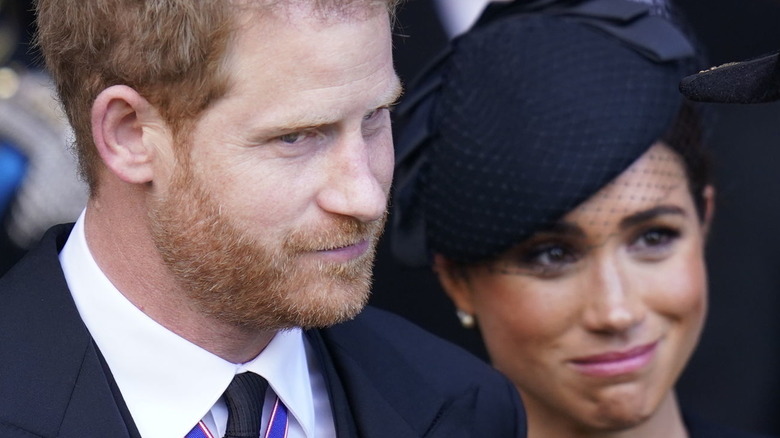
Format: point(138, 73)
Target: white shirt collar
point(167, 382)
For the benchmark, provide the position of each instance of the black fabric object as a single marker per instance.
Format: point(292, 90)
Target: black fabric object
point(132, 429)
point(76, 398)
point(343, 417)
point(525, 117)
point(405, 389)
point(752, 81)
point(244, 398)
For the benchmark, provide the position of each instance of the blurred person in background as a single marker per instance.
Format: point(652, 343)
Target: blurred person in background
point(38, 182)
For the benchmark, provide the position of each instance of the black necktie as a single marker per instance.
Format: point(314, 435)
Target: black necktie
point(244, 397)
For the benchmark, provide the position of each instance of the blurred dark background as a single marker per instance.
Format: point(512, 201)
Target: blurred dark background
point(734, 376)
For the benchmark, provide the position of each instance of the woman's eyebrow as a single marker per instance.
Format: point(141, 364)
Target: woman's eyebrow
point(645, 215)
point(563, 228)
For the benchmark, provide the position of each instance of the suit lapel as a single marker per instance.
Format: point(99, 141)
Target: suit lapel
point(342, 414)
point(386, 397)
point(52, 382)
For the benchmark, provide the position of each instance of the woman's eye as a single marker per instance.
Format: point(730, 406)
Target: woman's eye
point(551, 255)
point(545, 260)
point(655, 239)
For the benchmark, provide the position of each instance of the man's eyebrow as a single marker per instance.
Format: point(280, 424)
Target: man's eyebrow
point(394, 94)
point(309, 122)
point(645, 215)
point(302, 124)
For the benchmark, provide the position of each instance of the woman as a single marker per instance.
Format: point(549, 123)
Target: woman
point(553, 176)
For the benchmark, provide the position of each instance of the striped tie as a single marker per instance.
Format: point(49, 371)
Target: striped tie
point(244, 398)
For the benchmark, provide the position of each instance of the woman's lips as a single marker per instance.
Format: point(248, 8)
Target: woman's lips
point(615, 363)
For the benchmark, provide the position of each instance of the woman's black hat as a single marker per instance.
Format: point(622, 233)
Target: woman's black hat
point(526, 116)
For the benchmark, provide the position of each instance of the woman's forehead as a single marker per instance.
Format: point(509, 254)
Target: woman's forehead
point(657, 178)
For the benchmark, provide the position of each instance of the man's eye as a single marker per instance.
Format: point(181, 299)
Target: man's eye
point(374, 114)
point(292, 138)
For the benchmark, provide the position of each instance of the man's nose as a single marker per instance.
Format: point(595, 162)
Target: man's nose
point(358, 180)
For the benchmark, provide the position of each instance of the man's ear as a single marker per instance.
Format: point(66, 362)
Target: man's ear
point(126, 129)
point(454, 283)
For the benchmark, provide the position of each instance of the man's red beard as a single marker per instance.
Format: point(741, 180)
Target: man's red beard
point(232, 277)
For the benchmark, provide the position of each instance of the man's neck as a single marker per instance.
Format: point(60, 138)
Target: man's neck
point(124, 251)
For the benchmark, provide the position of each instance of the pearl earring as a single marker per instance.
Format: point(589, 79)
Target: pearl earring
point(466, 319)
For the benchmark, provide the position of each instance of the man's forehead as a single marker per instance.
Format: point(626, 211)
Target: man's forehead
point(321, 10)
point(304, 77)
point(297, 118)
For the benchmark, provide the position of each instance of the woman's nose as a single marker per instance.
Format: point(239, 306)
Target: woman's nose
point(614, 303)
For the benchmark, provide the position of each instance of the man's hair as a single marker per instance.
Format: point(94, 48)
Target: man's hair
point(171, 52)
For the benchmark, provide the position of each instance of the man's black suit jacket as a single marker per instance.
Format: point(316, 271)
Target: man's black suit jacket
point(386, 378)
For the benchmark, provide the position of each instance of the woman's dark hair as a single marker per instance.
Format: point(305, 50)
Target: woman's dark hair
point(686, 136)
